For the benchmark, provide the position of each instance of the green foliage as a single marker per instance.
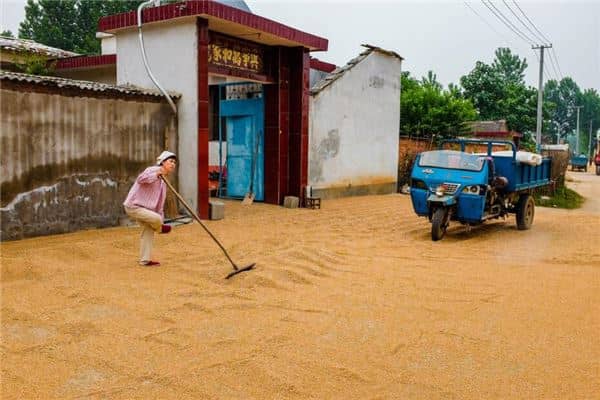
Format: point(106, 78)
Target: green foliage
point(563, 198)
point(484, 87)
point(35, 64)
point(562, 97)
point(69, 24)
point(589, 118)
point(527, 142)
point(498, 91)
point(426, 108)
point(7, 33)
point(509, 66)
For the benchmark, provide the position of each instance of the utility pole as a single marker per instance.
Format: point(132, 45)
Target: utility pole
point(577, 133)
point(538, 126)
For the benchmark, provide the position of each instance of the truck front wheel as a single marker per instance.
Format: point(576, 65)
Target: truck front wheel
point(525, 212)
point(439, 223)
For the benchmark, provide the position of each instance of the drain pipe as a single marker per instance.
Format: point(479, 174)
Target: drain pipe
point(141, 37)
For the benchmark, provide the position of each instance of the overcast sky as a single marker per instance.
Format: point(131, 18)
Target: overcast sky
point(447, 37)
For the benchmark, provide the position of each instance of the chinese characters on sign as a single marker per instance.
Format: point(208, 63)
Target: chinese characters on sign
point(233, 53)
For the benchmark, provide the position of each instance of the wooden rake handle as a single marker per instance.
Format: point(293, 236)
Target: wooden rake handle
point(197, 218)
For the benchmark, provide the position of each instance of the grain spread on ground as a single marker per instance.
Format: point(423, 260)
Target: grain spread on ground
point(353, 301)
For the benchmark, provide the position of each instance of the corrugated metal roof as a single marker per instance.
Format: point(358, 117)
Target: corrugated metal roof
point(340, 71)
point(29, 46)
point(82, 85)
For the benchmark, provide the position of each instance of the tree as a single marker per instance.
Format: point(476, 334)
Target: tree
point(484, 87)
point(427, 108)
point(50, 22)
point(562, 96)
point(7, 33)
point(498, 91)
point(590, 115)
point(510, 67)
point(69, 24)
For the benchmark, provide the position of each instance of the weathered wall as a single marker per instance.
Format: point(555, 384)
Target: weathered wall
point(354, 130)
point(175, 66)
point(69, 160)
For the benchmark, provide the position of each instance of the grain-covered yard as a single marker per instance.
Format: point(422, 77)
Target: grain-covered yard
point(353, 301)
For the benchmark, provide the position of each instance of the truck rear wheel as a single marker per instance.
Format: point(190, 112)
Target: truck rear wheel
point(439, 223)
point(525, 212)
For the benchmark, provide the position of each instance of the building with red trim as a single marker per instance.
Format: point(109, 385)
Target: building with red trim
point(494, 130)
point(195, 47)
point(229, 64)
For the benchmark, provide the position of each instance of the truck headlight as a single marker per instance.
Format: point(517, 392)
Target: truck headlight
point(440, 190)
point(473, 189)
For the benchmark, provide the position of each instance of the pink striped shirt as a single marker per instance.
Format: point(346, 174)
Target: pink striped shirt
point(148, 191)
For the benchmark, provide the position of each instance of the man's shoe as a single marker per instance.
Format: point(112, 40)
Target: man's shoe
point(165, 229)
point(149, 263)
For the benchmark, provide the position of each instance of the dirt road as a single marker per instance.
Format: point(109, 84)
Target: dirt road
point(353, 301)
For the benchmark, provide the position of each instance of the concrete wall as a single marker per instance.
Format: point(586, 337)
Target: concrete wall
point(171, 49)
point(68, 160)
point(108, 44)
point(354, 130)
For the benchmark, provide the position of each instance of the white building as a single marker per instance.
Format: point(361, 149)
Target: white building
point(354, 127)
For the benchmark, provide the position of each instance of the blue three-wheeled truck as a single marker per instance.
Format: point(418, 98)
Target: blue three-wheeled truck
point(456, 185)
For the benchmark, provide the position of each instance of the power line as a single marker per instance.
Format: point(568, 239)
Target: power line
point(532, 24)
point(537, 36)
point(487, 23)
point(521, 21)
point(545, 67)
point(507, 22)
point(553, 57)
point(553, 66)
point(557, 63)
point(556, 76)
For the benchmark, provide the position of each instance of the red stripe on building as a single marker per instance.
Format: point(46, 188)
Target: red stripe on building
point(213, 9)
point(86, 61)
point(322, 65)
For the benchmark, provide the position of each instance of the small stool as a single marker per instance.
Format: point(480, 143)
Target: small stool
point(312, 202)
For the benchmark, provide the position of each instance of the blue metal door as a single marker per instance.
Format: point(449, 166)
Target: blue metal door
point(244, 132)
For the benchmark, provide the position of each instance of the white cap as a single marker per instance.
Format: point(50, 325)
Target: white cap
point(163, 156)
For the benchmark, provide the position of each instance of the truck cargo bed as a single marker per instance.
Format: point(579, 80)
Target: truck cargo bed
point(522, 176)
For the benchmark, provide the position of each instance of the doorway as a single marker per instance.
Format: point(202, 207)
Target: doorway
point(241, 114)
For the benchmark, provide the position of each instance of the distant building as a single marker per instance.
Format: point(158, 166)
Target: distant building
point(494, 130)
point(16, 53)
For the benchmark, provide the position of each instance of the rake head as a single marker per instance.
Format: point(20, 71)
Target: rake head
point(238, 270)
